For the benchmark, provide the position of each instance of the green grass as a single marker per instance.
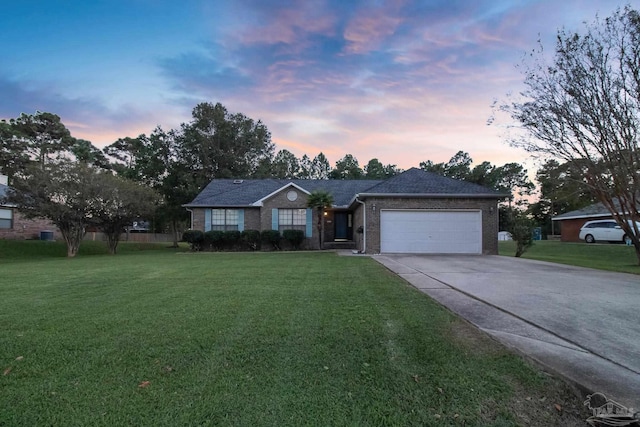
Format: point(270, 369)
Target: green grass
point(164, 338)
point(30, 250)
point(612, 257)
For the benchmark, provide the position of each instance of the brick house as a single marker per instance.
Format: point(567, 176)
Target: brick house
point(15, 226)
point(572, 222)
point(413, 212)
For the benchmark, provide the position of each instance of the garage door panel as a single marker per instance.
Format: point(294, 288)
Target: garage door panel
point(405, 231)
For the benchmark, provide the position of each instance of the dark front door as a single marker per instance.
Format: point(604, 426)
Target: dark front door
point(343, 226)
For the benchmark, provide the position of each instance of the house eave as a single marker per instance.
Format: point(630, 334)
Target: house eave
point(211, 206)
point(260, 202)
point(428, 196)
point(583, 216)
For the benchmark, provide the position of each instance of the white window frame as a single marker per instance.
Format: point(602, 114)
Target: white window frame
point(224, 219)
point(6, 218)
point(292, 219)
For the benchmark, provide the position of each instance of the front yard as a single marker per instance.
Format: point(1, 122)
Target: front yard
point(166, 338)
point(603, 256)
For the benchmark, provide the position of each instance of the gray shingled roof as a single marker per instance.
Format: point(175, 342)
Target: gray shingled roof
point(595, 210)
point(231, 193)
point(417, 181)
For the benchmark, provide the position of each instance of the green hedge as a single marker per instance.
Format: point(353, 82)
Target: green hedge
point(294, 237)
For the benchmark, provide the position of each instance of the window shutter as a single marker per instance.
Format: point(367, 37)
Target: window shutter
point(207, 220)
point(309, 231)
point(240, 219)
point(274, 219)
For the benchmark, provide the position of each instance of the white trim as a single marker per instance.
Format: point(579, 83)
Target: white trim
point(260, 202)
point(602, 215)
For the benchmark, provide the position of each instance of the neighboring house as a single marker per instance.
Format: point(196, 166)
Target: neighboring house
point(572, 222)
point(14, 226)
point(413, 212)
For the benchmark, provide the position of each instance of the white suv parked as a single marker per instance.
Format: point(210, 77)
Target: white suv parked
point(603, 230)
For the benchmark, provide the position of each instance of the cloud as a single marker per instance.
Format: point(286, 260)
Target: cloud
point(370, 28)
point(86, 118)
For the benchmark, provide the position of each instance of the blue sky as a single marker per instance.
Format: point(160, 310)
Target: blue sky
point(401, 81)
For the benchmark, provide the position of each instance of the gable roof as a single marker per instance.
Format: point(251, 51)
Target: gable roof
point(416, 182)
point(597, 210)
point(419, 182)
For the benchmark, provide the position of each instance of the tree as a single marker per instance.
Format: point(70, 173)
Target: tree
point(508, 178)
point(32, 138)
point(320, 200)
point(376, 170)
point(347, 168)
point(285, 165)
point(159, 162)
point(85, 152)
point(64, 192)
point(316, 168)
point(13, 150)
point(562, 189)
point(585, 107)
point(218, 144)
point(458, 167)
point(512, 178)
point(121, 202)
point(521, 229)
point(44, 136)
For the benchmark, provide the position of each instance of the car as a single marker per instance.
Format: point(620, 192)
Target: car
point(603, 230)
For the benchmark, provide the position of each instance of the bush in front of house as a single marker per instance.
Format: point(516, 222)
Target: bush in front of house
point(231, 239)
point(195, 239)
point(251, 239)
point(213, 240)
point(294, 237)
point(271, 238)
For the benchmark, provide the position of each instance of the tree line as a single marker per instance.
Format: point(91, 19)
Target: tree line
point(76, 185)
point(580, 112)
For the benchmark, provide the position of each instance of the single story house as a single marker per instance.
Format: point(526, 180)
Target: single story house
point(14, 226)
point(413, 212)
point(571, 222)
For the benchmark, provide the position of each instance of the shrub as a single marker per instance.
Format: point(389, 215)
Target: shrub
point(195, 238)
point(231, 238)
point(521, 229)
point(251, 239)
point(213, 239)
point(271, 237)
point(294, 237)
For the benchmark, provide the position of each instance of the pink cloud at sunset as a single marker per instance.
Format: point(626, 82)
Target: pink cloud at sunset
point(401, 81)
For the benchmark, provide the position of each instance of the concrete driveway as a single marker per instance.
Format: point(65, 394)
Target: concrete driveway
point(583, 324)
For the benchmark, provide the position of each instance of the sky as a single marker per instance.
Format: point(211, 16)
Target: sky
point(400, 81)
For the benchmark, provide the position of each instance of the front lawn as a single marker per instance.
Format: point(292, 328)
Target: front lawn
point(603, 256)
point(165, 338)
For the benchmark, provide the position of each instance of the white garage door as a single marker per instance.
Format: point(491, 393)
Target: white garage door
point(431, 232)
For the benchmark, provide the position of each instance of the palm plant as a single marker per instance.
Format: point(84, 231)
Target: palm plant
point(320, 200)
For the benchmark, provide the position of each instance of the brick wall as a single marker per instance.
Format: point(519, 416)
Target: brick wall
point(280, 201)
point(489, 209)
point(24, 229)
point(570, 228)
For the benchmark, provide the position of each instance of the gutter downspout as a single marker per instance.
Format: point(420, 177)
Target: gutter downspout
point(190, 219)
point(364, 224)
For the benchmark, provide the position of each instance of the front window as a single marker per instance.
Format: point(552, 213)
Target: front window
point(292, 219)
point(224, 219)
point(6, 218)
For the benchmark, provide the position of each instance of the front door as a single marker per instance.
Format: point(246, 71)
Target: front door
point(343, 226)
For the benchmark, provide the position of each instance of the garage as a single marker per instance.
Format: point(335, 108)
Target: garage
point(431, 232)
